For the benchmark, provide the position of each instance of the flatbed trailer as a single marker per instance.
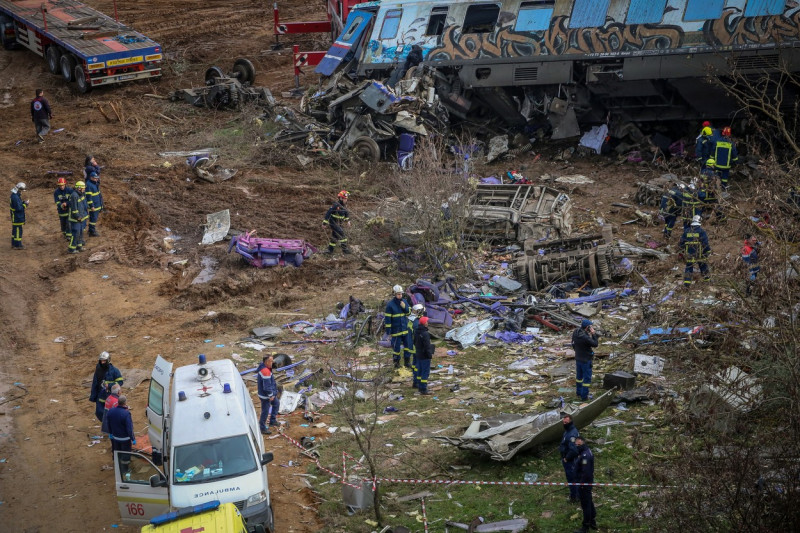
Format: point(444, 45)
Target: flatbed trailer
point(79, 43)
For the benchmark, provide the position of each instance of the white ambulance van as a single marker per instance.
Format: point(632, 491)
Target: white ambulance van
point(206, 441)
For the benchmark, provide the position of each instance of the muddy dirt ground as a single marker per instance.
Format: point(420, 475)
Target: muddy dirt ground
point(133, 305)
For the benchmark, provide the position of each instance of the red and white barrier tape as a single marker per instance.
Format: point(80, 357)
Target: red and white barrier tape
point(424, 516)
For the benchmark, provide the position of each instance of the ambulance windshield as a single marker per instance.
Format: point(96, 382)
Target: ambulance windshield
point(212, 460)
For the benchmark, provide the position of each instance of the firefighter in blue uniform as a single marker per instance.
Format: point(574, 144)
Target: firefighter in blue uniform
point(78, 214)
point(417, 311)
point(749, 253)
point(61, 197)
point(690, 205)
point(335, 217)
point(18, 206)
point(569, 451)
point(708, 191)
point(425, 351)
point(584, 473)
point(396, 325)
point(725, 155)
point(704, 147)
point(670, 209)
point(94, 201)
point(105, 375)
point(694, 243)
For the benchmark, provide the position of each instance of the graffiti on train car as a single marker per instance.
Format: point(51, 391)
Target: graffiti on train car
point(734, 30)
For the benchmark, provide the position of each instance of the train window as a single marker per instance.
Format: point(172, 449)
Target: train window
point(390, 24)
point(646, 11)
point(762, 8)
point(437, 21)
point(703, 9)
point(481, 18)
point(589, 13)
point(535, 15)
point(352, 28)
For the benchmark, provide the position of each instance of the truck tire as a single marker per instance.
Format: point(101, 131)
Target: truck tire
point(53, 56)
point(367, 149)
point(80, 79)
point(68, 67)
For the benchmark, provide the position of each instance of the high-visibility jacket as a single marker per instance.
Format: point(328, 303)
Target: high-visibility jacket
point(78, 208)
point(17, 209)
point(725, 153)
point(94, 199)
point(396, 317)
point(671, 202)
point(690, 204)
point(694, 242)
point(337, 214)
point(62, 197)
point(750, 254)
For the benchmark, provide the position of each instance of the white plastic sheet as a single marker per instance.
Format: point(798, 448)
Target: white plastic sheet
point(469, 334)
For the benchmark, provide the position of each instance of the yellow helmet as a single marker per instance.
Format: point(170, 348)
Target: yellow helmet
point(706, 131)
point(711, 162)
point(80, 185)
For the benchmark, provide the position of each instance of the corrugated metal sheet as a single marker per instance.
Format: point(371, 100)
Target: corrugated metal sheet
point(760, 8)
point(589, 13)
point(646, 11)
point(703, 9)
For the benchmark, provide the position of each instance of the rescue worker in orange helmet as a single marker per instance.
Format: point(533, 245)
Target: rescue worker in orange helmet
point(335, 218)
point(61, 196)
point(725, 155)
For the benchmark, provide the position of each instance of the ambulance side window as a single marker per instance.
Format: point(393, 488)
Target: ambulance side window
point(140, 470)
point(155, 400)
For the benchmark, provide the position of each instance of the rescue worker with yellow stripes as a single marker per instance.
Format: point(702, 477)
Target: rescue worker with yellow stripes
point(94, 200)
point(78, 215)
point(335, 217)
point(690, 205)
point(694, 243)
point(61, 197)
point(670, 208)
point(708, 191)
point(396, 325)
point(725, 156)
point(417, 311)
point(18, 206)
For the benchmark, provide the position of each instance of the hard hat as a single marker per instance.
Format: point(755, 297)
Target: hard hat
point(343, 194)
point(726, 131)
point(104, 356)
point(711, 162)
point(80, 185)
point(21, 186)
point(706, 131)
point(397, 288)
point(417, 308)
point(92, 175)
point(62, 181)
point(706, 124)
point(696, 220)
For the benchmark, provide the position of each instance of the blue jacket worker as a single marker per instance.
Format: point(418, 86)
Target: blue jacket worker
point(584, 339)
point(41, 115)
point(105, 375)
point(61, 198)
point(120, 429)
point(425, 351)
point(694, 243)
point(750, 257)
point(18, 206)
point(417, 311)
point(670, 208)
point(336, 216)
point(78, 214)
point(94, 201)
point(569, 451)
point(396, 325)
point(268, 394)
point(704, 146)
point(725, 155)
point(584, 473)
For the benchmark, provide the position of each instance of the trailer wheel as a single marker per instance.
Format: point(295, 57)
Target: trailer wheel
point(244, 70)
point(212, 73)
point(80, 78)
point(53, 55)
point(68, 67)
point(367, 149)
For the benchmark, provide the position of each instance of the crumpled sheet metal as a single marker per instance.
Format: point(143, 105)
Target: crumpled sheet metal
point(217, 226)
point(469, 334)
point(502, 437)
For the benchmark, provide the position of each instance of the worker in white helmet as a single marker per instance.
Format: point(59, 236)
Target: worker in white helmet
point(396, 325)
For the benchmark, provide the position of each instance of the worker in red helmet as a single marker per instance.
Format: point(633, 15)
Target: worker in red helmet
point(725, 155)
point(61, 197)
point(335, 218)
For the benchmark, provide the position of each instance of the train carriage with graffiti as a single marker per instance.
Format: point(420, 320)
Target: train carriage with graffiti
point(644, 59)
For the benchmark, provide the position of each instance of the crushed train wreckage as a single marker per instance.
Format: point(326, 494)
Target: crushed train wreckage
point(503, 436)
point(265, 252)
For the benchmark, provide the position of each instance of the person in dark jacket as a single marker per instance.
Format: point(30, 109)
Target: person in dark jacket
point(425, 350)
point(41, 115)
point(749, 253)
point(413, 59)
point(584, 473)
point(670, 208)
point(725, 155)
point(90, 165)
point(695, 250)
point(569, 451)
point(396, 325)
point(268, 394)
point(417, 311)
point(336, 216)
point(61, 197)
point(105, 375)
point(704, 146)
point(120, 428)
point(18, 206)
point(94, 201)
point(78, 214)
point(584, 339)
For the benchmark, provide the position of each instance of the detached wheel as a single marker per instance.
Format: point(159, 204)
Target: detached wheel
point(68, 64)
point(244, 70)
point(80, 78)
point(53, 57)
point(367, 149)
point(212, 73)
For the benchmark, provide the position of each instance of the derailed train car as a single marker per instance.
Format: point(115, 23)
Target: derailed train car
point(574, 60)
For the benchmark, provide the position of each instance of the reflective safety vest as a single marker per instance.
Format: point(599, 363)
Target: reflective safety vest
point(725, 154)
point(694, 242)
